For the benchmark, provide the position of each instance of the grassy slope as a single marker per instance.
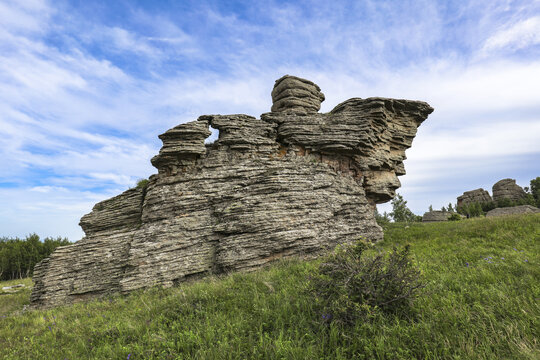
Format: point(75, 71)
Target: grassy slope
point(486, 310)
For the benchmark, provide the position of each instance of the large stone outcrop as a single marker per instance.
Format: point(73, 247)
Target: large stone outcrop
point(514, 210)
point(474, 196)
point(508, 189)
point(438, 215)
point(293, 183)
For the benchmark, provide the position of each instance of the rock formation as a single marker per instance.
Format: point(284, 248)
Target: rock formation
point(437, 215)
point(296, 95)
point(474, 196)
point(508, 189)
point(515, 210)
point(292, 183)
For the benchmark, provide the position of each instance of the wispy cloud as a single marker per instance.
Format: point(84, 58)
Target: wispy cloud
point(520, 35)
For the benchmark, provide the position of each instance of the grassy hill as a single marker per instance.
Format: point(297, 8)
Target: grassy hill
point(481, 302)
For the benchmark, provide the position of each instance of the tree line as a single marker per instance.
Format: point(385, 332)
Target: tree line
point(19, 256)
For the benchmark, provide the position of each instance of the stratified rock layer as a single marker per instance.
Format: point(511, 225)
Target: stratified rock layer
point(508, 189)
point(295, 95)
point(515, 210)
point(293, 183)
point(474, 196)
point(436, 215)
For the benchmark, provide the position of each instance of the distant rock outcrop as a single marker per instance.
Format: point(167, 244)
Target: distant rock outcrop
point(436, 215)
point(508, 189)
point(515, 210)
point(474, 196)
point(293, 183)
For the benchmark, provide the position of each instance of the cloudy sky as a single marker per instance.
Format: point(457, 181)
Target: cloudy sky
point(86, 87)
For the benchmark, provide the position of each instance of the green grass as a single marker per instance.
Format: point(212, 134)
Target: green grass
point(13, 303)
point(486, 310)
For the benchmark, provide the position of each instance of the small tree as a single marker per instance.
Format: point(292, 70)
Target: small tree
point(430, 207)
point(383, 219)
point(443, 209)
point(535, 190)
point(400, 211)
point(454, 217)
point(450, 207)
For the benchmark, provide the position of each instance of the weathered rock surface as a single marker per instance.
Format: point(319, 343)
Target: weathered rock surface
point(508, 189)
point(293, 183)
point(474, 196)
point(515, 210)
point(436, 215)
point(295, 95)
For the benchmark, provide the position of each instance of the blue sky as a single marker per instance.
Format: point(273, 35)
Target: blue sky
point(86, 87)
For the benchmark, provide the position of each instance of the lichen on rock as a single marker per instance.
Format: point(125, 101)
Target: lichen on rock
point(293, 183)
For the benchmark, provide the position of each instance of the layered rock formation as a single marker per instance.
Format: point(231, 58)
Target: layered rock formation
point(474, 196)
point(515, 210)
point(293, 183)
point(438, 215)
point(296, 95)
point(508, 189)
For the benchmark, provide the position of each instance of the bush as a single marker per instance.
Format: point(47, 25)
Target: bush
point(349, 285)
point(474, 209)
point(142, 183)
point(535, 190)
point(454, 217)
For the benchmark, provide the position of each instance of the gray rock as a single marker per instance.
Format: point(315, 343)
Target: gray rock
point(288, 184)
point(515, 210)
point(295, 95)
point(474, 196)
point(436, 215)
point(508, 189)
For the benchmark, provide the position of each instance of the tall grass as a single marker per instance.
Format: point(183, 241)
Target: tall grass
point(481, 302)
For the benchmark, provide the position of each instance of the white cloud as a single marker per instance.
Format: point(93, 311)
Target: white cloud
point(24, 16)
point(48, 189)
point(479, 141)
point(520, 35)
point(51, 211)
point(125, 180)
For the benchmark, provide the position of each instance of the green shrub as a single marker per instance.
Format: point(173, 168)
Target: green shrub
point(454, 217)
point(142, 183)
point(350, 285)
point(487, 206)
point(535, 190)
point(474, 209)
